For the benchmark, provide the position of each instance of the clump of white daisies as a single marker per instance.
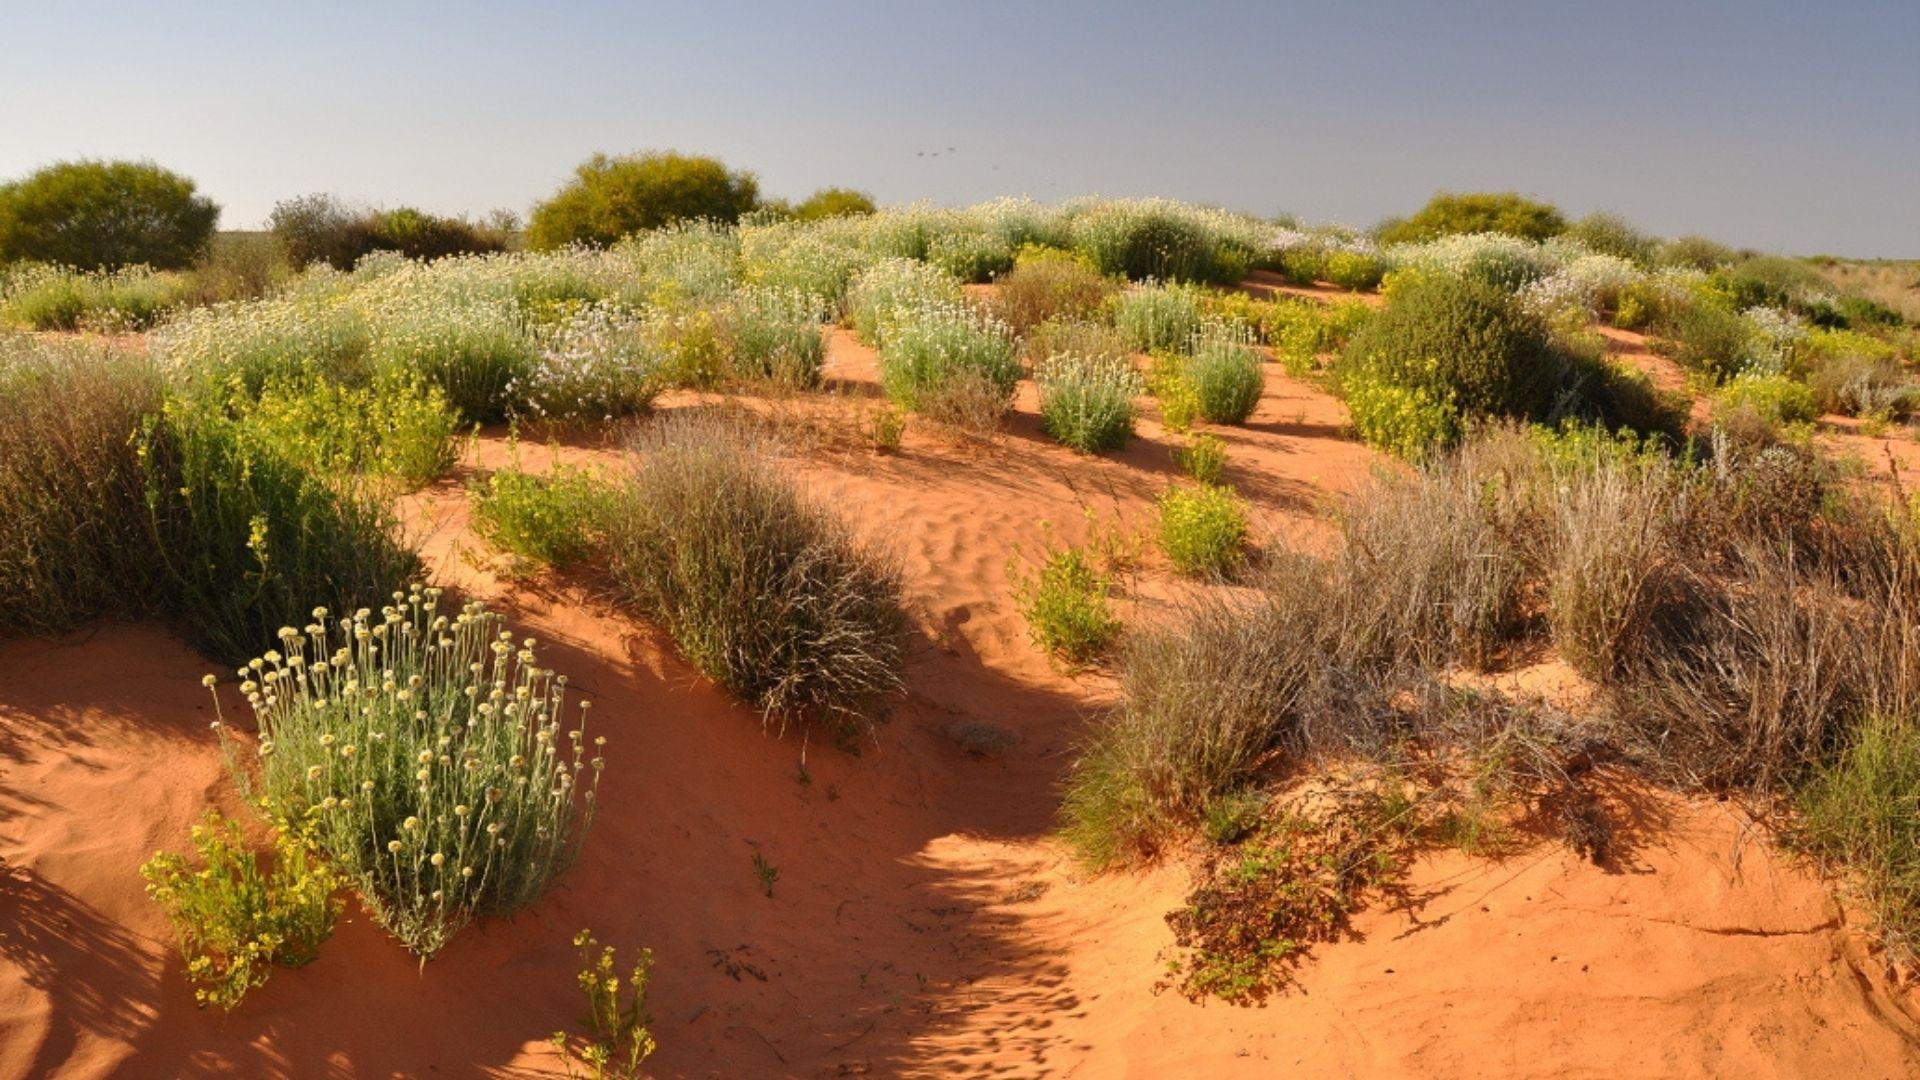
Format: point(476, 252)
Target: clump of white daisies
point(432, 753)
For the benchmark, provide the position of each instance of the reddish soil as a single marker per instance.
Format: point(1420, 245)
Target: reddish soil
point(924, 923)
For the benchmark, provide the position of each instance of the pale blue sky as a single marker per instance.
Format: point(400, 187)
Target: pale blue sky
point(1788, 126)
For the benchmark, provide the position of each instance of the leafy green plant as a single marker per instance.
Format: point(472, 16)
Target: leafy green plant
point(1862, 812)
point(397, 427)
point(930, 348)
point(432, 752)
point(620, 1037)
point(237, 919)
point(1356, 271)
point(1202, 529)
point(556, 519)
point(766, 872)
point(1408, 422)
point(1088, 403)
point(1458, 340)
point(1449, 213)
point(1203, 457)
point(1066, 604)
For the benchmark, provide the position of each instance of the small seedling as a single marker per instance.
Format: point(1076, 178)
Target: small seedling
point(767, 872)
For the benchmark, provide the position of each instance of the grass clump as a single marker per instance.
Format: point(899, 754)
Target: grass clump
point(237, 919)
point(433, 754)
point(552, 520)
point(1862, 812)
point(1066, 602)
point(763, 591)
point(1202, 529)
point(1087, 402)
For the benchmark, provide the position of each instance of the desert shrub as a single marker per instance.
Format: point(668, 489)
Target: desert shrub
point(434, 756)
point(1611, 234)
point(245, 536)
point(322, 229)
point(1301, 331)
point(1142, 239)
point(1086, 402)
point(598, 363)
point(251, 345)
point(1694, 253)
point(970, 255)
point(892, 286)
point(935, 346)
point(1202, 529)
point(1771, 281)
point(553, 520)
point(815, 260)
point(1155, 316)
point(1353, 270)
point(621, 1036)
point(1227, 374)
point(611, 197)
point(1864, 311)
point(1862, 811)
point(1066, 602)
point(774, 336)
point(1203, 457)
point(395, 428)
point(1450, 214)
point(1712, 340)
point(420, 235)
point(832, 202)
point(235, 919)
point(1460, 342)
point(51, 298)
point(1774, 399)
point(475, 353)
point(237, 266)
point(73, 542)
point(1855, 385)
point(763, 590)
point(96, 215)
point(1048, 285)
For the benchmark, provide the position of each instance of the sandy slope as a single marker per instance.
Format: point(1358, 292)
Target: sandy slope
point(923, 924)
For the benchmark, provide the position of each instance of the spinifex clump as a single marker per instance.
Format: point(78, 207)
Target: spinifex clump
point(447, 784)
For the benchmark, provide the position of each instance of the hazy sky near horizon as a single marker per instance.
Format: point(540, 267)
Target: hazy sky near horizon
point(1785, 126)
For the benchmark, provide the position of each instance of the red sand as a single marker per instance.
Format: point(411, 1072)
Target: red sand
point(923, 923)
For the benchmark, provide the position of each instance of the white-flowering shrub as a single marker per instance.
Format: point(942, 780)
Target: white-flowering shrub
point(1506, 261)
point(891, 286)
point(447, 781)
point(598, 363)
point(1087, 402)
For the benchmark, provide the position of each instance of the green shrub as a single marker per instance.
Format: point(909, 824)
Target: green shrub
point(931, 347)
point(1066, 604)
point(552, 520)
point(1611, 234)
point(1153, 240)
point(245, 536)
point(763, 591)
point(1088, 403)
point(1410, 422)
point(1712, 340)
point(95, 215)
point(395, 428)
point(238, 266)
point(434, 756)
point(1461, 342)
point(475, 354)
point(612, 197)
point(1301, 331)
point(235, 919)
point(1202, 529)
point(1694, 253)
point(1204, 457)
point(1773, 399)
point(1353, 270)
point(1227, 375)
point(1449, 214)
point(1862, 811)
point(1154, 316)
point(832, 202)
point(1049, 285)
point(322, 229)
